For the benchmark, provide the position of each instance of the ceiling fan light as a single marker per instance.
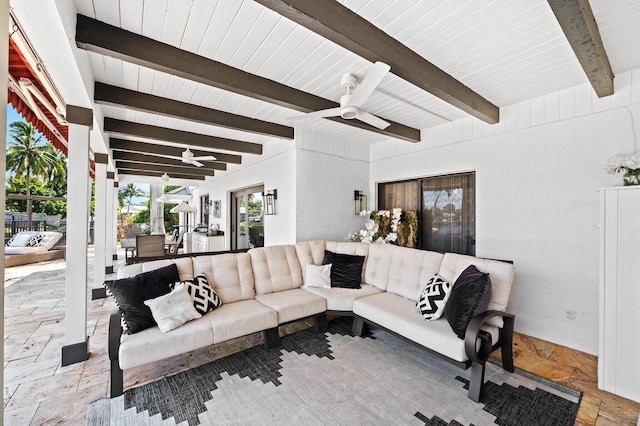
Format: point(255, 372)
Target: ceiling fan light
point(165, 177)
point(349, 112)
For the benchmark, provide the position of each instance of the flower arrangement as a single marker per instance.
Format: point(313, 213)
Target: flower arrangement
point(387, 227)
point(629, 164)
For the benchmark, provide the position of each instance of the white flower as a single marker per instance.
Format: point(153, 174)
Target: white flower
point(392, 237)
point(369, 225)
point(365, 213)
point(380, 240)
point(623, 163)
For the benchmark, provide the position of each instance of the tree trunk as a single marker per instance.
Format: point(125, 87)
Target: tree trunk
point(29, 202)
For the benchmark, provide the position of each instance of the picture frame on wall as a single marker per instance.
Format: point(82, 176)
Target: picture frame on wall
point(216, 209)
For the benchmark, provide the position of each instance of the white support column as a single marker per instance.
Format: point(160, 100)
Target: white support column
point(100, 227)
point(76, 346)
point(109, 244)
point(4, 78)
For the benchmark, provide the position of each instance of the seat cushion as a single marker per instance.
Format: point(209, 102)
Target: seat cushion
point(400, 315)
point(341, 299)
point(293, 304)
point(240, 319)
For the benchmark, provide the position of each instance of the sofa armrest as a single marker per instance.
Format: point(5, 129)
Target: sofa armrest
point(115, 334)
point(473, 333)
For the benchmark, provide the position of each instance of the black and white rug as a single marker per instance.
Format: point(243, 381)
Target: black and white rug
point(338, 379)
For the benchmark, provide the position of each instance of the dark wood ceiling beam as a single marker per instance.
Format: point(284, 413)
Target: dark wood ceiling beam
point(192, 170)
point(579, 26)
point(151, 148)
point(108, 40)
point(118, 96)
point(161, 161)
point(112, 125)
point(125, 171)
point(337, 23)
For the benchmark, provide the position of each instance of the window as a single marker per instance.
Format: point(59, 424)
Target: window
point(204, 210)
point(446, 209)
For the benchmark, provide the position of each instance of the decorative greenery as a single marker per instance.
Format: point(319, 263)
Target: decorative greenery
point(388, 227)
point(127, 193)
point(628, 164)
point(30, 155)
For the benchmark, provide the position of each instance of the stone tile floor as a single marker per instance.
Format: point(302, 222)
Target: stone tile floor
point(38, 390)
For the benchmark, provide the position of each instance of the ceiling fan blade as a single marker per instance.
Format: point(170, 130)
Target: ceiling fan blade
point(205, 158)
point(369, 83)
point(196, 163)
point(332, 112)
point(373, 120)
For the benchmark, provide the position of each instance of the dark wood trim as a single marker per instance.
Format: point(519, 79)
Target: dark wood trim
point(108, 40)
point(150, 148)
point(161, 162)
point(125, 171)
point(579, 25)
point(122, 127)
point(98, 293)
point(190, 170)
point(78, 352)
point(111, 175)
point(333, 21)
point(79, 115)
point(101, 158)
point(112, 95)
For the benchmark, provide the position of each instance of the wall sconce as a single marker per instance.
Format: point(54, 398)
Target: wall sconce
point(269, 198)
point(360, 201)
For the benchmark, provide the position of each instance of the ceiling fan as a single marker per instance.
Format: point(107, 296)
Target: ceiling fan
point(188, 157)
point(352, 101)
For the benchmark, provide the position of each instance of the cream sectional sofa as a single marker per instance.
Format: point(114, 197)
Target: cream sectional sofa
point(264, 288)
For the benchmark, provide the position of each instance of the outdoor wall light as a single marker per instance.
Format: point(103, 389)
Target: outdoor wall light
point(360, 201)
point(269, 198)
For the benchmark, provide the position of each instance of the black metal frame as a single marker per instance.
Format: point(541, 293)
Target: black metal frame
point(474, 334)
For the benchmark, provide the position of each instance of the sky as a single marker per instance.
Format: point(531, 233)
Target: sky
point(12, 115)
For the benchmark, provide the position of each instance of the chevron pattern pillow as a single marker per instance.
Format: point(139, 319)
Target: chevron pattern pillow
point(434, 298)
point(204, 297)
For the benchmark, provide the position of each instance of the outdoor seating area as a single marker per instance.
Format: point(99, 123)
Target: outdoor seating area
point(32, 247)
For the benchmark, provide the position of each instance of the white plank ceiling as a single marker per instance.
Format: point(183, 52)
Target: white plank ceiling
point(505, 50)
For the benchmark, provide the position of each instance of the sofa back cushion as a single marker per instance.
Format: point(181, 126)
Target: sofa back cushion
point(228, 274)
point(309, 252)
point(410, 270)
point(185, 268)
point(275, 268)
point(500, 273)
point(356, 249)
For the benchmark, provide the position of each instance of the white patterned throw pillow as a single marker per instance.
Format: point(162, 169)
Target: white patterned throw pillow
point(434, 298)
point(204, 297)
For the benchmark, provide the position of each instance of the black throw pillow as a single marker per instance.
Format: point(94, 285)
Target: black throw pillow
point(346, 269)
point(468, 292)
point(130, 294)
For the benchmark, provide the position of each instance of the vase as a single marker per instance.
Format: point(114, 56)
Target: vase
point(632, 177)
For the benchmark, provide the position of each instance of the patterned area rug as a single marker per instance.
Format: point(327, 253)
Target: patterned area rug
point(338, 379)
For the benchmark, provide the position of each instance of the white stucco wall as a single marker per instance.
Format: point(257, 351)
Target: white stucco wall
point(536, 200)
point(328, 170)
point(275, 168)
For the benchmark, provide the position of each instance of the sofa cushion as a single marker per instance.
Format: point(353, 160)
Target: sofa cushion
point(275, 268)
point(317, 276)
point(433, 298)
point(399, 315)
point(346, 269)
point(293, 304)
point(35, 240)
point(465, 297)
point(184, 265)
point(203, 297)
point(130, 294)
point(341, 299)
point(309, 253)
point(240, 319)
point(173, 309)
point(228, 274)
point(408, 270)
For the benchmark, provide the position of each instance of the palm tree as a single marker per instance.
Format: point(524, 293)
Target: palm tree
point(129, 192)
point(29, 154)
point(57, 174)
